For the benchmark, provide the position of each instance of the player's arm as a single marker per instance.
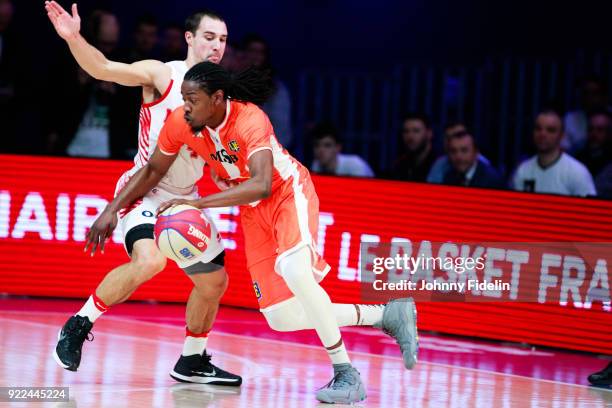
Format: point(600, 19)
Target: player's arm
point(140, 184)
point(221, 183)
point(258, 187)
point(143, 180)
point(149, 73)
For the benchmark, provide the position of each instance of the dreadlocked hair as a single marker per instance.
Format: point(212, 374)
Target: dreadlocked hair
point(251, 85)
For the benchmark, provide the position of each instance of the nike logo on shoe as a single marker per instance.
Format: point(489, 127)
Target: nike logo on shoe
point(211, 374)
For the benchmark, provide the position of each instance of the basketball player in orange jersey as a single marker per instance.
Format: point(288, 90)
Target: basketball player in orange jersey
point(280, 216)
point(206, 34)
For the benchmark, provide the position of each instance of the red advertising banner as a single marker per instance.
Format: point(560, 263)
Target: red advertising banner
point(47, 205)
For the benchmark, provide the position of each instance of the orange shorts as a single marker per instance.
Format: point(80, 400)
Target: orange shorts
point(278, 226)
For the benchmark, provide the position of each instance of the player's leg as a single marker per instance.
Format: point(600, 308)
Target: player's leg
point(396, 318)
point(204, 298)
point(290, 316)
point(145, 262)
point(119, 284)
point(295, 229)
point(296, 270)
point(281, 267)
point(210, 282)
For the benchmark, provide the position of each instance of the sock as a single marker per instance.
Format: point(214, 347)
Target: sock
point(369, 315)
point(195, 343)
point(93, 308)
point(358, 315)
point(337, 353)
point(296, 270)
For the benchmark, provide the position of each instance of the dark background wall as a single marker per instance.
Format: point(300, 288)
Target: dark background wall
point(372, 35)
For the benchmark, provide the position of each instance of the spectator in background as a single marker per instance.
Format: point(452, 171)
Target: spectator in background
point(465, 168)
point(593, 97)
point(145, 39)
point(80, 110)
point(603, 182)
point(278, 107)
point(598, 150)
point(233, 59)
point(173, 43)
point(442, 164)
point(418, 156)
point(329, 160)
point(551, 170)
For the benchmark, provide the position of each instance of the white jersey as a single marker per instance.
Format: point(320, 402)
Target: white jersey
point(566, 176)
point(188, 167)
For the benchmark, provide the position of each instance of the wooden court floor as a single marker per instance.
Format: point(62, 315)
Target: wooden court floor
point(128, 362)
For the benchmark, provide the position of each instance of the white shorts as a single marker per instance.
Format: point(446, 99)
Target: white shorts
point(143, 212)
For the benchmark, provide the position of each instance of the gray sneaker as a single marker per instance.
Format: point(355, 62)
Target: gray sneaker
point(400, 322)
point(345, 388)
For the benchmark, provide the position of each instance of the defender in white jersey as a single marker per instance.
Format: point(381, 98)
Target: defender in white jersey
point(180, 180)
point(206, 35)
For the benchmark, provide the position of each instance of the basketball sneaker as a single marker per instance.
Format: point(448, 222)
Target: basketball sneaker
point(345, 388)
point(199, 369)
point(400, 322)
point(70, 341)
point(603, 377)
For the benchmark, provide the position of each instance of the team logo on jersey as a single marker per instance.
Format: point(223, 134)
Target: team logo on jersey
point(233, 146)
point(257, 291)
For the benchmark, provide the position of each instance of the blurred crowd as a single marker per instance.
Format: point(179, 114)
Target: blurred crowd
point(90, 118)
point(578, 167)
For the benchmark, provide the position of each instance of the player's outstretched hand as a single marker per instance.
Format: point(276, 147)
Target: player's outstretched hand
point(66, 25)
point(176, 201)
point(100, 231)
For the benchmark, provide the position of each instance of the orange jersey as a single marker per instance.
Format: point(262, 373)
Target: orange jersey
point(275, 227)
point(245, 130)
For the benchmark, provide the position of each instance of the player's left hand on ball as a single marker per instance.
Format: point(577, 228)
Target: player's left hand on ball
point(174, 202)
point(100, 231)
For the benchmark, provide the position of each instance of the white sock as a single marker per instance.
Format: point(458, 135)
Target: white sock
point(194, 343)
point(292, 316)
point(338, 354)
point(296, 270)
point(93, 308)
point(358, 315)
point(369, 315)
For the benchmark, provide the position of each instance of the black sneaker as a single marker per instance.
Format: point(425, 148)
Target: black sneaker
point(70, 341)
point(603, 377)
point(199, 369)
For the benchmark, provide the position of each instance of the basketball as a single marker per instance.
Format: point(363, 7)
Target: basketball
point(182, 233)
